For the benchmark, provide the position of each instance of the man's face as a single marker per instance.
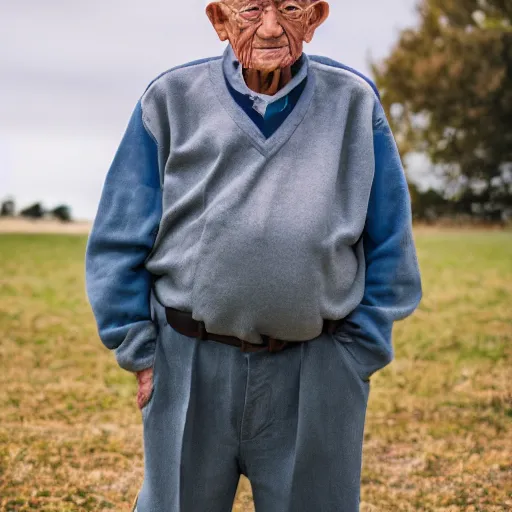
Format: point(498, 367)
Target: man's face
point(267, 34)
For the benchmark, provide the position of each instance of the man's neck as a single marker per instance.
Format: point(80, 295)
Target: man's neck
point(268, 83)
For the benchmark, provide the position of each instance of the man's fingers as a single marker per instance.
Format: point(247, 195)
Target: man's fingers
point(145, 376)
point(145, 381)
point(143, 396)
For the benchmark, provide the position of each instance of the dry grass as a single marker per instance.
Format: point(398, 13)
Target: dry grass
point(38, 226)
point(438, 431)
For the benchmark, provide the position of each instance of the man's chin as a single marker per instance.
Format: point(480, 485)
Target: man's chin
point(270, 59)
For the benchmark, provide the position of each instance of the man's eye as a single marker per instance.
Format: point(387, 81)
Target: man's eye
point(251, 13)
point(291, 11)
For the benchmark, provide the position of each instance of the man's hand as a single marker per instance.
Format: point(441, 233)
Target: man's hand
point(145, 381)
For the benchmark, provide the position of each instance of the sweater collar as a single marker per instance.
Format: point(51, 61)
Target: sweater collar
point(233, 74)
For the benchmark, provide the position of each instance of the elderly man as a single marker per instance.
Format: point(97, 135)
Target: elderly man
point(251, 251)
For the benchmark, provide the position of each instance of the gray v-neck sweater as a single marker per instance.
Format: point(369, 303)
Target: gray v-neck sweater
point(253, 235)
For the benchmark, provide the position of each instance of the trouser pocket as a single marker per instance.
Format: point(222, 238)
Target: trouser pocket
point(147, 406)
point(145, 409)
point(360, 360)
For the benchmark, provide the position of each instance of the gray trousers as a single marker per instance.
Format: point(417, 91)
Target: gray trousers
point(291, 421)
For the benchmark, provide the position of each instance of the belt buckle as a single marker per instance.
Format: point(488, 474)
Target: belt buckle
point(275, 345)
point(247, 346)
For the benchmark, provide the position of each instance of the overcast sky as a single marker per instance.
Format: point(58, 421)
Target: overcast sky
point(71, 72)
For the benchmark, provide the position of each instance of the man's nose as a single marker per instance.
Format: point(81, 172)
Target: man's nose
point(270, 27)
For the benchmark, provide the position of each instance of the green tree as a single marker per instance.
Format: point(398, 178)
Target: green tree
point(35, 211)
point(447, 89)
point(62, 212)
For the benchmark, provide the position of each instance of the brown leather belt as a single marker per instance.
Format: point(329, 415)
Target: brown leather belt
point(183, 322)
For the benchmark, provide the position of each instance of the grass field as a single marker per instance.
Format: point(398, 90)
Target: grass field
point(438, 433)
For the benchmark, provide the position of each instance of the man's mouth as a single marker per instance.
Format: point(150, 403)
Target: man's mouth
point(268, 47)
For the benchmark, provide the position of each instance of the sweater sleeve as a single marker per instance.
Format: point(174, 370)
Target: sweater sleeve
point(393, 286)
point(123, 233)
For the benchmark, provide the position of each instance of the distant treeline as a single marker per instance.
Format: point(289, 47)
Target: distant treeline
point(432, 206)
point(36, 211)
point(427, 206)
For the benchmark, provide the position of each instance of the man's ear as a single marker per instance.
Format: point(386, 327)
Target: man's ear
point(320, 11)
point(218, 19)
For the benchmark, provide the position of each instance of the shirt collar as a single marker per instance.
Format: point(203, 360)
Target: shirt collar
point(233, 74)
